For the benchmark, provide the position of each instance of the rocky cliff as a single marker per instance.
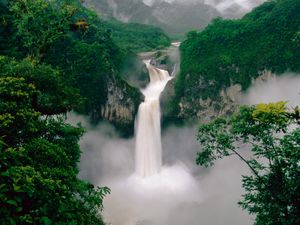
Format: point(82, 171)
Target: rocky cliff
point(120, 107)
point(225, 103)
point(196, 108)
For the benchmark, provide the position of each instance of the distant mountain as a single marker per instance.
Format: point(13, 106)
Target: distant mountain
point(175, 18)
point(233, 8)
point(179, 18)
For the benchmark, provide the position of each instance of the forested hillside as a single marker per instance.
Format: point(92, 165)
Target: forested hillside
point(231, 52)
point(88, 51)
point(56, 56)
point(136, 37)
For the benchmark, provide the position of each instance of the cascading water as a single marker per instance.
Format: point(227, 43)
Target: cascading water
point(148, 157)
point(165, 189)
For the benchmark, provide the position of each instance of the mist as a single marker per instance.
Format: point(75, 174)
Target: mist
point(285, 87)
point(228, 8)
point(183, 193)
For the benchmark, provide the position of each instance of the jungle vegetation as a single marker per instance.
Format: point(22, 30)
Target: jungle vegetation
point(55, 56)
point(229, 52)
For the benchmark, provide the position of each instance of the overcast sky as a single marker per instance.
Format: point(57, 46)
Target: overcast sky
point(240, 6)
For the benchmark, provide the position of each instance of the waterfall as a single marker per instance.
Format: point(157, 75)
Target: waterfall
point(148, 156)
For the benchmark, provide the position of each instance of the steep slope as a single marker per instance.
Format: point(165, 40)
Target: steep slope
point(90, 54)
point(231, 53)
point(234, 8)
point(179, 17)
point(123, 10)
point(176, 18)
point(93, 61)
point(136, 37)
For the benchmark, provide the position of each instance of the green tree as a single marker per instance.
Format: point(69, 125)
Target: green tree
point(39, 152)
point(229, 52)
point(40, 23)
point(55, 96)
point(272, 192)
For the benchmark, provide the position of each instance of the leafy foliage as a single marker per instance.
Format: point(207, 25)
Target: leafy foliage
point(89, 57)
point(273, 134)
point(137, 37)
point(39, 23)
point(231, 52)
point(50, 65)
point(55, 56)
point(39, 153)
point(55, 95)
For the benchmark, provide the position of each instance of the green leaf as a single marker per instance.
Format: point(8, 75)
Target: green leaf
point(46, 221)
point(12, 202)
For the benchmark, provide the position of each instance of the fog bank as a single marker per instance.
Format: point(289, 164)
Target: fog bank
point(182, 193)
point(285, 87)
point(228, 8)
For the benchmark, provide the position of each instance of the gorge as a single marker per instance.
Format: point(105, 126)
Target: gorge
point(105, 121)
point(159, 180)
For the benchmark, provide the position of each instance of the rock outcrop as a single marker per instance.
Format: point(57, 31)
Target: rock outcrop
point(120, 106)
point(226, 103)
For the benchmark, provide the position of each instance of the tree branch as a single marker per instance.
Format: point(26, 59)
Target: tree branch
point(244, 160)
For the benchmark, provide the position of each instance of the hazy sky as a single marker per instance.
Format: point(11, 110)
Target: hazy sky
point(221, 5)
point(224, 6)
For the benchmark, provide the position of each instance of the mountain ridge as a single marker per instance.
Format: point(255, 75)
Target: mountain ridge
point(230, 52)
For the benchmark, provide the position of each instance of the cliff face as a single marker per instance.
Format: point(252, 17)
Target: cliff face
point(120, 107)
point(205, 109)
point(117, 108)
point(192, 107)
point(225, 104)
point(123, 95)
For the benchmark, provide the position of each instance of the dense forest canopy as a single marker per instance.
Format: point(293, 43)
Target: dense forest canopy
point(137, 37)
point(55, 56)
point(231, 52)
point(89, 52)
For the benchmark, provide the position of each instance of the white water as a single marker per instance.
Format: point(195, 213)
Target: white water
point(148, 156)
point(176, 193)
